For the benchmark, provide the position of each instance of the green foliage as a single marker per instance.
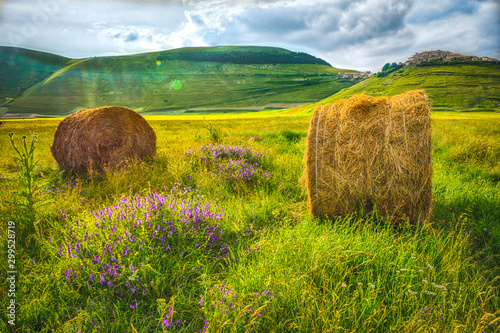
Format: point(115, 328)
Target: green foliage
point(215, 134)
point(26, 163)
point(389, 68)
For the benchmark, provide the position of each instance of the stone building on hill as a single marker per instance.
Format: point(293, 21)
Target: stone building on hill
point(445, 56)
point(354, 75)
point(426, 56)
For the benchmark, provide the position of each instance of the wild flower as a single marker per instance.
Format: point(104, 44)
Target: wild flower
point(233, 163)
point(168, 318)
point(159, 226)
point(67, 276)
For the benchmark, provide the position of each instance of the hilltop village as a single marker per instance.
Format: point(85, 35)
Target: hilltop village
point(445, 56)
point(419, 59)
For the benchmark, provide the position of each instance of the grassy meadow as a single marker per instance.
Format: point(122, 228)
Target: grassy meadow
point(452, 87)
point(214, 235)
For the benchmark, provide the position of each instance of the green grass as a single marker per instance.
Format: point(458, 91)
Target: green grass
point(459, 87)
point(282, 271)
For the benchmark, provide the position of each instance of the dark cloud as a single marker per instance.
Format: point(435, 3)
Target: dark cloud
point(323, 26)
point(431, 10)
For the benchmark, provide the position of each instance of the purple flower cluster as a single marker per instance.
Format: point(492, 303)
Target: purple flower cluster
point(117, 248)
point(232, 162)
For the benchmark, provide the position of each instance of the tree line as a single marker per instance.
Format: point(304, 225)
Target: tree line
point(389, 68)
point(245, 58)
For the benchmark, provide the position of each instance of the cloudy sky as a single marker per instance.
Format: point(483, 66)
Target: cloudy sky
point(355, 34)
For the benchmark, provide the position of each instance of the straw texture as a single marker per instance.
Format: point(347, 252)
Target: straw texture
point(371, 154)
point(93, 140)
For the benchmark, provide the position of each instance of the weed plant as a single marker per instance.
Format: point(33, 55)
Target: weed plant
point(27, 197)
point(215, 133)
point(172, 246)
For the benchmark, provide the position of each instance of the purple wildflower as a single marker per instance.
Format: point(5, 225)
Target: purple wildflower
point(67, 276)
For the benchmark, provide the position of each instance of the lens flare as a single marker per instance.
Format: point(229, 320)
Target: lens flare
point(158, 63)
point(176, 84)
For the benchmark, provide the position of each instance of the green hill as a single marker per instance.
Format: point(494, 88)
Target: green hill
point(178, 81)
point(21, 69)
point(241, 55)
point(458, 87)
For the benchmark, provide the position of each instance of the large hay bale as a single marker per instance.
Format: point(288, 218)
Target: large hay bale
point(92, 140)
point(371, 153)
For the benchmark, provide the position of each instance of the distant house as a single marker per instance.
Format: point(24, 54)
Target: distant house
point(352, 76)
point(489, 59)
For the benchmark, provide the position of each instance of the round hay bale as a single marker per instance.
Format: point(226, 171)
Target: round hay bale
point(94, 140)
point(371, 154)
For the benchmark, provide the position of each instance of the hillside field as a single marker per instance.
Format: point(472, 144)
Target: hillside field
point(203, 239)
point(457, 87)
point(189, 80)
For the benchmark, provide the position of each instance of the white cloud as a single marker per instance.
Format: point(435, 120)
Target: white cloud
point(471, 32)
point(358, 34)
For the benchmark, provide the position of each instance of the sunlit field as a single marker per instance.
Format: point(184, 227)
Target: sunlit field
point(214, 235)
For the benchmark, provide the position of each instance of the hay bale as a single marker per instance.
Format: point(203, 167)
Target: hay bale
point(92, 140)
point(371, 153)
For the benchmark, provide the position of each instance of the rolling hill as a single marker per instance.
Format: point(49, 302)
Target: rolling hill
point(21, 69)
point(451, 87)
point(195, 80)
